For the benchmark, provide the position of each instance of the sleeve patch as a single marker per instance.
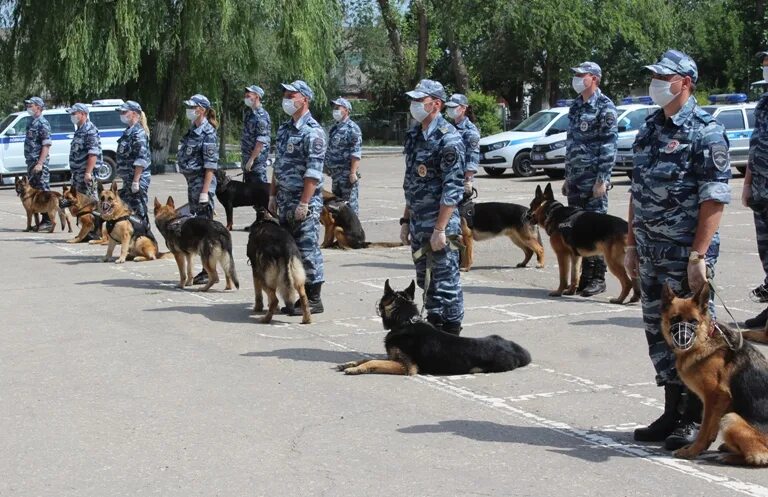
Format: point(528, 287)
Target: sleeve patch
point(317, 145)
point(719, 154)
point(450, 157)
point(473, 142)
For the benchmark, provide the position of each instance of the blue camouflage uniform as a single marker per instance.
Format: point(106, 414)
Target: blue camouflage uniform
point(758, 168)
point(85, 142)
point(38, 136)
point(344, 144)
point(133, 152)
point(679, 162)
point(301, 147)
point(590, 146)
point(434, 175)
point(470, 135)
point(257, 128)
point(198, 152)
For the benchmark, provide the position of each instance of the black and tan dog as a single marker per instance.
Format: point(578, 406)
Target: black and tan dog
point(41, 202)
point(84, 208)
point(342, 226)
point(134, 236)
point(486, 220)
point(186, 236)
point(277, 268)
point(232, 193)
point(728, 375)
point(415, 346)
point(575, 233)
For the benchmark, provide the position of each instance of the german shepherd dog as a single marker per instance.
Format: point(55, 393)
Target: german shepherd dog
point(84, 208)
point(575, 233)
point(728, 375)
point(276, 265)
point(342, 226)
point(232, 193)
point(132, 233)
point(186, 236)
point(415, 346)
point(39, 201)
point(486, 220)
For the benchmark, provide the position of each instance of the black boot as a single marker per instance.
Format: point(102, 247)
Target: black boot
point(757, 321)
point(687, 428)
point(313, 296)
point(663, 427)
point(45, 222)
point(200, 278)
point(452, 328)
point(586, 273)
point(596, 283)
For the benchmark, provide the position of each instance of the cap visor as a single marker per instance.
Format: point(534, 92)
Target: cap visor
point(416, 94)
point(451, 104)
point(659, 69)
point(288, 87)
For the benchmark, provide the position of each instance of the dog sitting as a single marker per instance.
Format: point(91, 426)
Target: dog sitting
point(84, 208)
point(575, 233)
point(276, 265)
point(728, 375)
point(38, 202)
point(186, 236)
point(341, 224)
point(232, 193)
point(486, 220)
point(414, 346)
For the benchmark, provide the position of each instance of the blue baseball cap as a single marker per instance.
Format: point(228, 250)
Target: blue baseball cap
point(129, 105)
point(342, 102)
point(198, 100)
point(427, 88)
point(675, 62)
point(299, 86)
point(588, 68)
point(36, 101)
point(255, 89)
point(78, 108)
point(456, 100)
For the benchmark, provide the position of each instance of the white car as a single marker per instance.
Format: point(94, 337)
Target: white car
point(13, 130)
point(549, 153)
point(511, 149)
point(738, 118)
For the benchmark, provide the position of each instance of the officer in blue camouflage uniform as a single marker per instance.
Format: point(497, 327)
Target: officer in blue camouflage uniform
point(133, 160)
point(342, 159)
point(37, 147)
point(254, 144)
point(590, 152)
point(434, 171)
point(297, 183)
point(198, 159)
point(755, 192)
point(457, 107)
point(679, 190)
point(85, 151)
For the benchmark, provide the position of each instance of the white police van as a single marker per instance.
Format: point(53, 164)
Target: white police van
point(738, 118)
point(511, 149)
point(13, 129)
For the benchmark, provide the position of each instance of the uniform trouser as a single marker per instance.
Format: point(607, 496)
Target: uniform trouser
point(256, 175)
point(136, 201)
point(761, 231)
point(657, 267)
point(307, 235)
point(79, 184)
point(194, 188)
point(444, 297)
point(343, 189)
point(586, 201)
point(40, 180)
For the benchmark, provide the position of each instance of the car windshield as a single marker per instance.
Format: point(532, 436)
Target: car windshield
point(536, 122)
point(6, 122)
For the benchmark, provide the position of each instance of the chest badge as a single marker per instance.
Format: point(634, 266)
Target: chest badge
point(584, 126)
point(422, 170)
point(672, 146)
point(289, 148)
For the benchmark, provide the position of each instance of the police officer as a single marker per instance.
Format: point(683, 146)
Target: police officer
point(434, 172)
point(85, 151)
point(590, 152)
point(679, 189)
point(198, 159)
point(37, 147)
point(755, 192)
point(254, 144)
point(342, 160)
point(457, 107)
point(133, 159)
point(297, 181)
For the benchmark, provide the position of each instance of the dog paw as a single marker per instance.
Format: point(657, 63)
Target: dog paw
point(757, 459)
point(120, 261)
point(687, 452)
point(570, 291)
point(635, 298)
point(74, 240)
point(345, 366)
point(266, 320)
point(521, 264)
point(616, 300)
point(556, 293)
point(539, 266)
point(353, 371)
point(306, 321)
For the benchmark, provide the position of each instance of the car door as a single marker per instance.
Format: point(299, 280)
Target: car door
point(62, 131)
point(13, 146)
point(734, 122)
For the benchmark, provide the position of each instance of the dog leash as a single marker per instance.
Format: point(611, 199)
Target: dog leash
point(453, 243)
point(712, 286)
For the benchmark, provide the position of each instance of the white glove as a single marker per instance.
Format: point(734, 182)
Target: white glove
point(135, 187)
point(203, 198)
point(405, 234)
point(746, 194)
point(697, 275)
point(38, 168)
point(249, 165)
point(301, 212)
point(437, 240)
point(468, 186)
point(564, 189)
point(352, 178)
point(88, 177)
point(599, 189)
point(272, 205)
point(631, 262)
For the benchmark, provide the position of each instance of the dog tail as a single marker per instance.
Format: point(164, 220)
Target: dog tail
point(383, 244)
point(63, 219)
point(165, 255)
point(229, 265)
point(759, 336)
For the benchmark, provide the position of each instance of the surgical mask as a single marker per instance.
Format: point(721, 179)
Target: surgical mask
point(74, 119)
point(338, 115)
point(125, 119)
point(451, 112)
point(289, 107)
point(248, 102)
point(30, 112)
point(418, 111)
point(191, 114)
point(765, 73)
point(578, 84)
point(660, 92)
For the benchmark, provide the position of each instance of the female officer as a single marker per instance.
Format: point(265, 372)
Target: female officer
point(133, 159)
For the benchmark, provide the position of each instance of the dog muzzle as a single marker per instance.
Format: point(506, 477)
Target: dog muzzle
point(64, 203)
point(683, 334)
point(106, 207)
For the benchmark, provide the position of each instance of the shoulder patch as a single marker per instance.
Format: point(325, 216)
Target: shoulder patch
point(317, 145)
point(610, 119)
point(474, 141)
point(450, 157)
point(210, 152)
point(719, 154)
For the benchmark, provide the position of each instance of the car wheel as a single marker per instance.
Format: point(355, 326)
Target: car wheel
point(522, 166)
point(494, 172)
point(105, 173)
point(555, 173)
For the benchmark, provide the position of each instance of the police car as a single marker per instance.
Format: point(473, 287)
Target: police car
point(13, 130)
point(549, 153)
point(511, 149)
point(738, 118)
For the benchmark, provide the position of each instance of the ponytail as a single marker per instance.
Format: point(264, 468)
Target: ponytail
point(143, 121)
point(210, 114)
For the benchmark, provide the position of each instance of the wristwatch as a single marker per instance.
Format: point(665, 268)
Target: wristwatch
point(404, 220)
point(695, 257)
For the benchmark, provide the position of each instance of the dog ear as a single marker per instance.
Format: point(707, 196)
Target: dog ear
point(388, 289)
point(411, 290)
point(702, 298)
point(157, 204)
point(548, 193)
point(539, 193)
point(667, 295)
point(114, 186)
point(170, 203)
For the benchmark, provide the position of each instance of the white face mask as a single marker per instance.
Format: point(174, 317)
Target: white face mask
point(191, 114)
point(125, 119)
point(30, 111)
point(452, 112)
point(660, 92)
point(289, 107)
point(578, 84)
point(765, 73)
point(248, 102)
point(418, 111)
point(75, 120)
point(338, 115)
